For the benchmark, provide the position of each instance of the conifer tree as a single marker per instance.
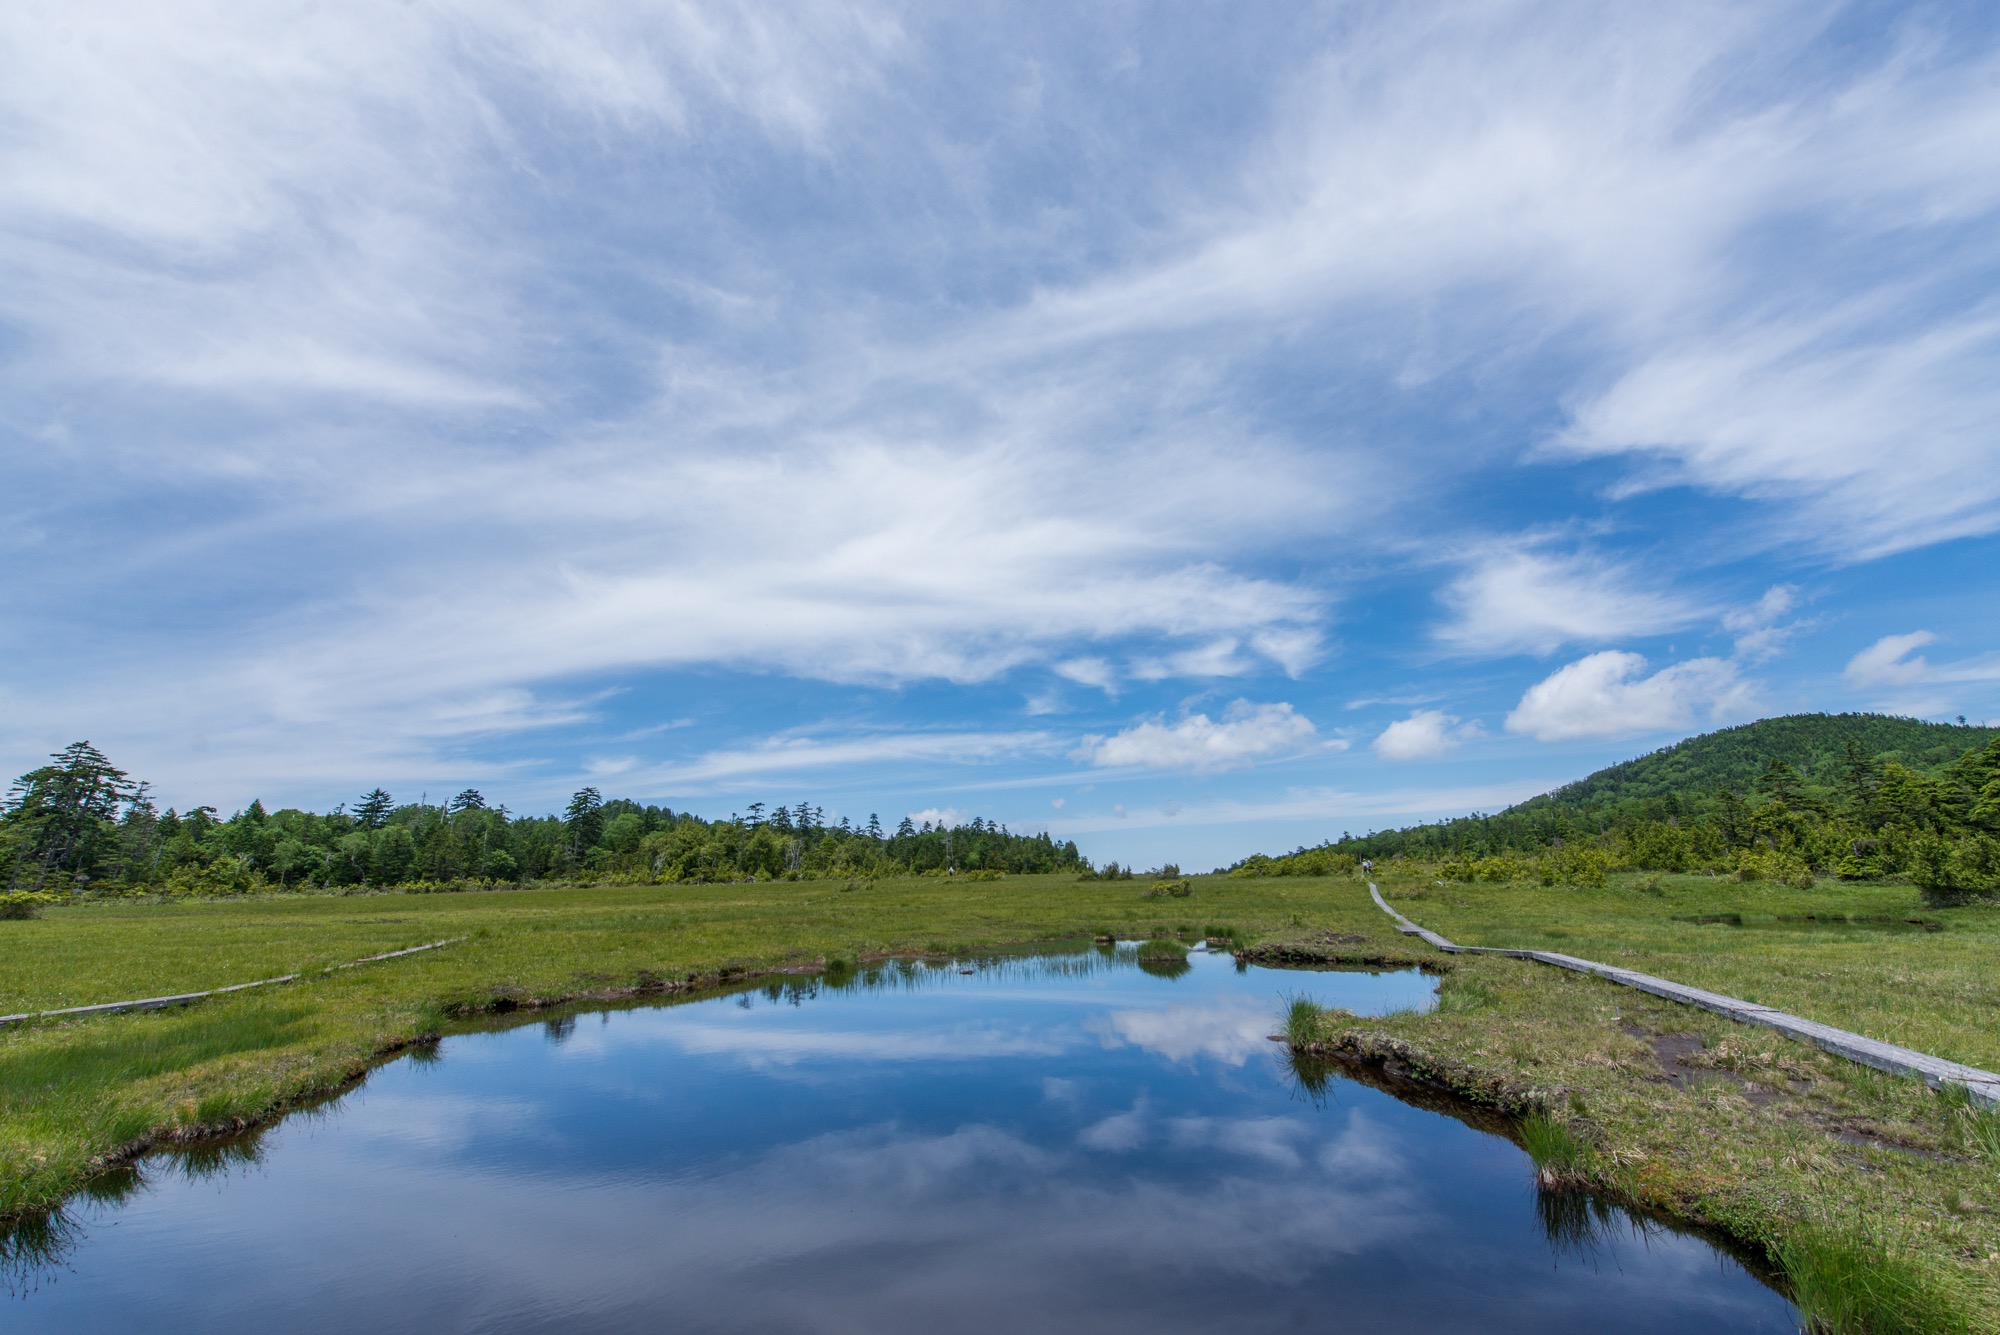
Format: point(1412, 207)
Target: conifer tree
point(373, 808)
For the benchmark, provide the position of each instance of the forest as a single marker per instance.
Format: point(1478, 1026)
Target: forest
point(1852, 796)
point(81, 825)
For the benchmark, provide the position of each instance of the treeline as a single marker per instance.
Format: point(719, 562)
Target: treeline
point(1868, 816)
point(80, 824)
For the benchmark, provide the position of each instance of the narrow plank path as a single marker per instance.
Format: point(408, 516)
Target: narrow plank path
point(1983, 1086)
point(183, 998)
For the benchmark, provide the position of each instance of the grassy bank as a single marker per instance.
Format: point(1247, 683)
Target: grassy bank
point(1870, 957)
point(1780, 1144)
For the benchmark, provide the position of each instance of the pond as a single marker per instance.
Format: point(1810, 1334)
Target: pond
point(1062, 1142)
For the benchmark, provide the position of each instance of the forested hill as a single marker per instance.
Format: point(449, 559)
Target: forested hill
point(80, 824)
point(1793, 798)
point(1813, 744)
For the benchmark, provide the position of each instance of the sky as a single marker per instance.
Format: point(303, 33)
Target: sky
point(1192, 429)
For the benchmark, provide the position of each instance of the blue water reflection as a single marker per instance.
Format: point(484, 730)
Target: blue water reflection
point(1057, 1143)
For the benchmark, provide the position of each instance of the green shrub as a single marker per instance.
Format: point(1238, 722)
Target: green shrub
point(24, 904)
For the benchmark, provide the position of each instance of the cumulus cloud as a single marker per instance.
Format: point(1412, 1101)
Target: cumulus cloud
point(1246, 732)
point(1424, 735)
point(1604, 695)
point(1518, 600)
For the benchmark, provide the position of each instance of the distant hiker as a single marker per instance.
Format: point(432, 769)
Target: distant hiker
point(1367, 867)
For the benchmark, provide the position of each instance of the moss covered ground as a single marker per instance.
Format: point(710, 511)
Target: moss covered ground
point(1779, 1144)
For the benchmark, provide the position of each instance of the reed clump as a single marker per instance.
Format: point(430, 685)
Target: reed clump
point(1850, 1284)
point(1302, 1017)
point(1561, 1156)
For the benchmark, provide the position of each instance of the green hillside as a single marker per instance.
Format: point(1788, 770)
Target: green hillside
point(1734, 758)
point(1857, 796)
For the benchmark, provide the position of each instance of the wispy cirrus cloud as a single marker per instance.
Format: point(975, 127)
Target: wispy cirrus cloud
point(1893, 661)
point(417, 376)
point(1517, 599)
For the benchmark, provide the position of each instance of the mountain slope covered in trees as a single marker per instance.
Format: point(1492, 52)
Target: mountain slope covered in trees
point(1808, 795)
point(1813, 744)
point(80, 823)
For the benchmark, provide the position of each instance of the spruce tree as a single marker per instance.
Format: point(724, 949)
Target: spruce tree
point(373, 808)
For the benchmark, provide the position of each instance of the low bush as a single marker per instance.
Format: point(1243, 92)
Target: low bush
point(20, 905)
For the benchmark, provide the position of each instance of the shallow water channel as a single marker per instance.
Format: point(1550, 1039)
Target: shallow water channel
point(1052, 1143)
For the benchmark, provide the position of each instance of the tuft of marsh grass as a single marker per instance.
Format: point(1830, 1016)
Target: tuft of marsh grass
point(1162, 948)
point(431, 1018)
point(1463, 995)
point(1982, 1133)
point(1846, 1284)
point(1559, 1153)
point(1302, 1016)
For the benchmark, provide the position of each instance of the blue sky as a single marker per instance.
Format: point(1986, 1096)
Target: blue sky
point(1192, 429)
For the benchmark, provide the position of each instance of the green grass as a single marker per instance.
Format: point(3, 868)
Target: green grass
point(1302, 1016)
point(1774, 1142)
point(1861, 1286)
point(1560, 1155)
point(1889, 979)
point(1162, 948)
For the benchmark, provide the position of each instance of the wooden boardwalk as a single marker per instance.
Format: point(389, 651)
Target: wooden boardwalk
point(183, 998)
point(1983, 1086)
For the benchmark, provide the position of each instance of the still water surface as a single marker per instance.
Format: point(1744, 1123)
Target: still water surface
point(1058, 1143)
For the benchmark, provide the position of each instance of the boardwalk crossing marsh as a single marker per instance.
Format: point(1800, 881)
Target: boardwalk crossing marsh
point(1056, 1142)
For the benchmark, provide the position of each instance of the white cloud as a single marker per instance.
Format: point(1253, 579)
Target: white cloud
point(950, 817)
point(1603, 695)
point(1887, 662)
point(800, 753)
point(923, 421)
point(1425, 735)
point(1225, 1030)
point(1516, 600)
point(1089, 672)
point(1246, 732)
point(1119, 1133)
point(1218, 658)
point(1879, 435)
point(1758, 634)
